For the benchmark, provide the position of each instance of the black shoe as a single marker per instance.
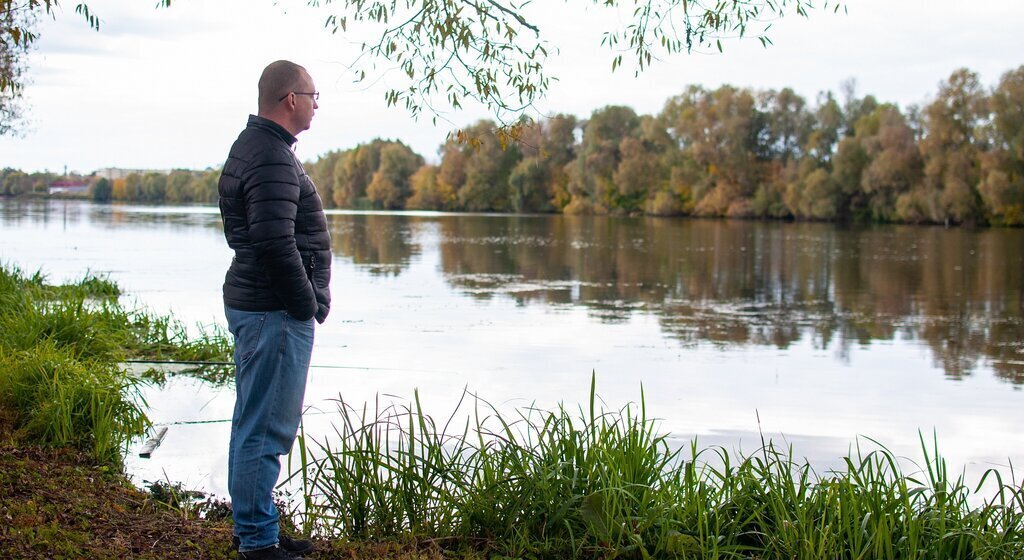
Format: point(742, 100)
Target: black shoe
point(270, 553)
point(295, 547)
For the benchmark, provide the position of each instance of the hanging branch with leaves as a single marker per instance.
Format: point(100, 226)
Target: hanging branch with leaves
point(488, 51)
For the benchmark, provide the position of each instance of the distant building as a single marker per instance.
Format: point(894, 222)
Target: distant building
point(112, 173)
point(68, 187)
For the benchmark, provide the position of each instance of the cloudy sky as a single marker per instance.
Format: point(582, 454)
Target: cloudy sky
point(171, 88)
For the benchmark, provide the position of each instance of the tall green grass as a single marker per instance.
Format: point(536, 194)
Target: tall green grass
point(87, 319)
point(606, 484)
point(61, 355)
point(61, 399)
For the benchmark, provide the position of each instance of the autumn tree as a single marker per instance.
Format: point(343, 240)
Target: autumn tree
point(644, 167)
point(824, 133)
point(558, 150)
point(951, 149)
point(539, 182)
point(895, 165)
point(429, 192)
point(591, 181)
point(127, 188)
point(479, 169)
point(1002, 167)
point(321, 172)
point(390, 187)
point(353, 172)
point(14, 182)
point(203, 187)
point(787, 126)
point(718, 132)
point(178, 186)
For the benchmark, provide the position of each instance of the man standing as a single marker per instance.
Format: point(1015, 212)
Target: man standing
point(278, 282)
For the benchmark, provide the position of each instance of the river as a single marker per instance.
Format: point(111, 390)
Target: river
point(811, 334)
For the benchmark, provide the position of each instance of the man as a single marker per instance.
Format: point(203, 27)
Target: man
point(277, 284)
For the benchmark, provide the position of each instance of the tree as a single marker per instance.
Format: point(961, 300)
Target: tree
point(951, 149)
point(203, 187)
point(153, 188)
point(13, 50)
point(828, 119)
point(322, 173)
point(488, 165)
point(178, 186)
point(1002, 167)
point(429, 192)
point(16, 182)
point(527, 186)
point(788, 127)
point(491, 53)
point(17, 37)
point(353, 172)
point(895, 161)
point(102, 190)
point(390, 186)
point(720, 132)
point(644, 168)
point(591, 184)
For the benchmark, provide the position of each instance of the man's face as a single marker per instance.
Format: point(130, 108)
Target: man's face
point(305, 105)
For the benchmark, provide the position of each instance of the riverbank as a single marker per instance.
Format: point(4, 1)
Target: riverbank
point(69, 410)
point(57, 503)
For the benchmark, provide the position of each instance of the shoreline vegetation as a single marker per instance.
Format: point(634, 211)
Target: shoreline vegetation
point(606, 484)
point(728, 152)
point(392, 482)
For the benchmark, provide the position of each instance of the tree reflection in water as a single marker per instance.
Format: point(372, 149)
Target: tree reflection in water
point(733, 282)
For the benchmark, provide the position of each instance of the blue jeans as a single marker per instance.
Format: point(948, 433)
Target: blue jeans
point(272, 352)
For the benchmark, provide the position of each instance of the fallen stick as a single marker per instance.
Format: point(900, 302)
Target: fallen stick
point(153, 442)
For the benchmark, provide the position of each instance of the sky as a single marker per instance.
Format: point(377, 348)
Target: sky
point(172, 88)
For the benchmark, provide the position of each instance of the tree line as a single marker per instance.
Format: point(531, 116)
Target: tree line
point(180, 186)
point(727, 152)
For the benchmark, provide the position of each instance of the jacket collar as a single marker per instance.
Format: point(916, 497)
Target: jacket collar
point(256, 121)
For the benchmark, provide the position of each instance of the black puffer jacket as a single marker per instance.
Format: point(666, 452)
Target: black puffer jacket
point(274, 220)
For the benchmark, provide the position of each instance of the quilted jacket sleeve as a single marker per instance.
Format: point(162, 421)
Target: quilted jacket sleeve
point(271, 199)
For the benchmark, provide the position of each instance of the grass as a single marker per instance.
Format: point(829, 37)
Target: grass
point(56, 504)
point(62, 350)
point(600, 484)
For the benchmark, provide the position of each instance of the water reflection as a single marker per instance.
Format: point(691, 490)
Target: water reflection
point(382, 243)
point(735, 283)
point(732, 328)
point(957, 292)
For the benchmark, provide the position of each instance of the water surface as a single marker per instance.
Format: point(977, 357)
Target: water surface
point(809, 332)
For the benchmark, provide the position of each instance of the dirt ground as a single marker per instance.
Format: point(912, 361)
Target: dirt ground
point(57, 504)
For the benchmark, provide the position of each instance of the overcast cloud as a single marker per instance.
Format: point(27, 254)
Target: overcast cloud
point(171, 88)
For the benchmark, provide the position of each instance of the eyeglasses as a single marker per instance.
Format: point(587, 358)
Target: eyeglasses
point(314, 94)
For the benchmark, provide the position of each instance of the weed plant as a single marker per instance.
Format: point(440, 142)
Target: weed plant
point(61, 354)
point(600, 484)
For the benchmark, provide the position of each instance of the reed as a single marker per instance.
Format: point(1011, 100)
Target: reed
point(61, 355)
point(60, 399)
point(604, 484)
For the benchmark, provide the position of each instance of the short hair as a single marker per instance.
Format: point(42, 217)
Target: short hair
point(278, 78)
